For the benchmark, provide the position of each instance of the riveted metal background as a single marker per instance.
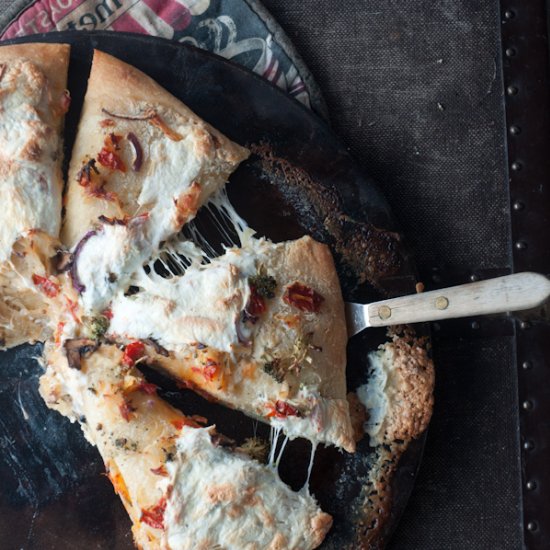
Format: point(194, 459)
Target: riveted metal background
point(526, 71)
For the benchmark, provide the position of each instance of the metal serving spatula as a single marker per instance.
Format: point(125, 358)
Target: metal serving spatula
point(502, 294)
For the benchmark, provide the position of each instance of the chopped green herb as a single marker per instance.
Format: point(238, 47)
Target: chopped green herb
point(98, 326)
point(265, 285)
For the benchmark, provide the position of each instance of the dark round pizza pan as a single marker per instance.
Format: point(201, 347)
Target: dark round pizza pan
point(300, 179)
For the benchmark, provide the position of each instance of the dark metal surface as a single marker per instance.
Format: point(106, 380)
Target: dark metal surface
point(300, 180)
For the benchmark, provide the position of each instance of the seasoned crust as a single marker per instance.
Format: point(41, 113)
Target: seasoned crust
point(113, 83)
point(399, 394)
point(413, 401)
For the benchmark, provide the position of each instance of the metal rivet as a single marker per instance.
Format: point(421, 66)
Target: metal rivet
point(474, 325)
point(512, 90)
point(384, 312)
point(516, 166)
point(521, 245)
point(518, 205)
point(527, 405)
point(441, 302)
point(509, 14)
point(532, 526)
point(515, 130)
point(474, 278)
point(528, 445)
point(511, 52)
point(526, 365)
point(531, 485)
point(524, 325)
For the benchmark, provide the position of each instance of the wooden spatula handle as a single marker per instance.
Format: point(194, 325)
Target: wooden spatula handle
point(508, 293)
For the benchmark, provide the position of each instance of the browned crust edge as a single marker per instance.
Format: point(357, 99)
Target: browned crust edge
point(114, 83)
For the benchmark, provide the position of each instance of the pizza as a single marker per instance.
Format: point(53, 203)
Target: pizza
point(259, 327)
point(184, 485)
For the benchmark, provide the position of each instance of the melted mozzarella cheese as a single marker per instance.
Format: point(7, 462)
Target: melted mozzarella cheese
point(30, 188)
point(173, 172)
point(375, 394)
point(222, 499)
point(203, 305)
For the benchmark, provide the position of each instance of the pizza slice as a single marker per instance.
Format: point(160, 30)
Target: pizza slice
point(260, 328)
point(182, 484)
point(33, 102)
point(142, 165)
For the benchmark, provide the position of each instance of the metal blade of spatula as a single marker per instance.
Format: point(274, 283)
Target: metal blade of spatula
point(509, 293)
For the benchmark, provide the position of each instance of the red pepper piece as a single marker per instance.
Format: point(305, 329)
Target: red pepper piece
point(133, 352)
point(111, 160)
point(303, 297)
point(49, 288)
point(154, 516)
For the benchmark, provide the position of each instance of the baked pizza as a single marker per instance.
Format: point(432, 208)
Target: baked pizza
point(184, 485)
point(258, 327)
point(141, 167)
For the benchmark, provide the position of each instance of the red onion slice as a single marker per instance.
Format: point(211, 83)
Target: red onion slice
point(77, 283)
point(147, 116)
point(138, 151)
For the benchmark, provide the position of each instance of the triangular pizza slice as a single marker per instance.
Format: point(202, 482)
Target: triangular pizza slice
point(182, 485)
point(142, 165)
point(33, 102)
point(260, 328)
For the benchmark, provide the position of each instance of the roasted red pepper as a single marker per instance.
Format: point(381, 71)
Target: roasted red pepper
point(149, 389)
point(126, 410)
point(49, 288)
point(303, 297)
point(256, 304)
point(160, 471)
point(133, 352)
point(154, 516)
point(179, 423)
point(281, 409)
point(111, 160)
